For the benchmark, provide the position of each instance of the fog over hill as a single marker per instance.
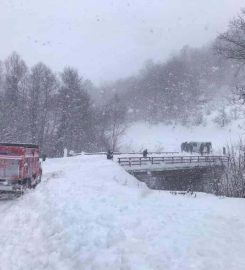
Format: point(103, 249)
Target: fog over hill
point(53, 104)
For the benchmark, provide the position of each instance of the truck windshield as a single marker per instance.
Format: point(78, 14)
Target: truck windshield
point(9, 168)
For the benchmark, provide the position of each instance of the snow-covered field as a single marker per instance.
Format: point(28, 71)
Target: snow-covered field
point(162, 137)
point(88, 213)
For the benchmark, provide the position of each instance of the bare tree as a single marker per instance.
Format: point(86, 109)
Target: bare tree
point(75, 122)
point(231, 44)
point(15, 72)
point(222, 119)
point(41, 88)
point(233, 183)
point(14, 103)
point(113, 119)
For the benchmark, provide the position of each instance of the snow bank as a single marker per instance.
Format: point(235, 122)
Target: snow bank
point(162, 137)
point(88, 213)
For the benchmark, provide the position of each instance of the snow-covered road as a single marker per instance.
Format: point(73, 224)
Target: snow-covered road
point(88, 213)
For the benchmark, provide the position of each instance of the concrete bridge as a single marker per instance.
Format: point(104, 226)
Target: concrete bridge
point(198, 173)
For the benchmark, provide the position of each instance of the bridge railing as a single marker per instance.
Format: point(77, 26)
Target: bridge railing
point(140, 161)
point(130, 153)
point(126, 153)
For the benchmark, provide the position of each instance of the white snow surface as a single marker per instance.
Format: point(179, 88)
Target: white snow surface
point(161, 137)
point(88, 213)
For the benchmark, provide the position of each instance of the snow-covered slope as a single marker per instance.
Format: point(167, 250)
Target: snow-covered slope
point(88, 213)
point(162, 137)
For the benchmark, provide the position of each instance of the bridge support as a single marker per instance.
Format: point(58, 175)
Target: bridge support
point(200, 179)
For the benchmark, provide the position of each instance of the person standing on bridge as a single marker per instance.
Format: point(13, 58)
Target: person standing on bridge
point(109, 154)
point(145, 153)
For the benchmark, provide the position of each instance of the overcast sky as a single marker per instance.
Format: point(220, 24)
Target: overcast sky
point(108, 39)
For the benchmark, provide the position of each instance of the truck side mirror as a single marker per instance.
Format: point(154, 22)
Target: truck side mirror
point(43, 157)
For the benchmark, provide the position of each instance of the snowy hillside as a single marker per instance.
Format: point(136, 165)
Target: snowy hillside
point(88, 213)
point(162, 137)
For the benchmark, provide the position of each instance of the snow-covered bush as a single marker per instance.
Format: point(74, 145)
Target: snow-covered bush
point(222, 119)
point(233, 182)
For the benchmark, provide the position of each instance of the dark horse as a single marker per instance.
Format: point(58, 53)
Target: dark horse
point(184, 147)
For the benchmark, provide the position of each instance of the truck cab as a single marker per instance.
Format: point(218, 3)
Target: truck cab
point(20, 167)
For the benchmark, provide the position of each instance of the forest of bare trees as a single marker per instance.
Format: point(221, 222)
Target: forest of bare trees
point(60, 111)
point(52, 110)
point(185, 83)
point(65, 110)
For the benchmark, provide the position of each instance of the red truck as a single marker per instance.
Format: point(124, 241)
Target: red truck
point(20, 167)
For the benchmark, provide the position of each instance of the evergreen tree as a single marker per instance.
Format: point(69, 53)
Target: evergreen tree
point(74, 130)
